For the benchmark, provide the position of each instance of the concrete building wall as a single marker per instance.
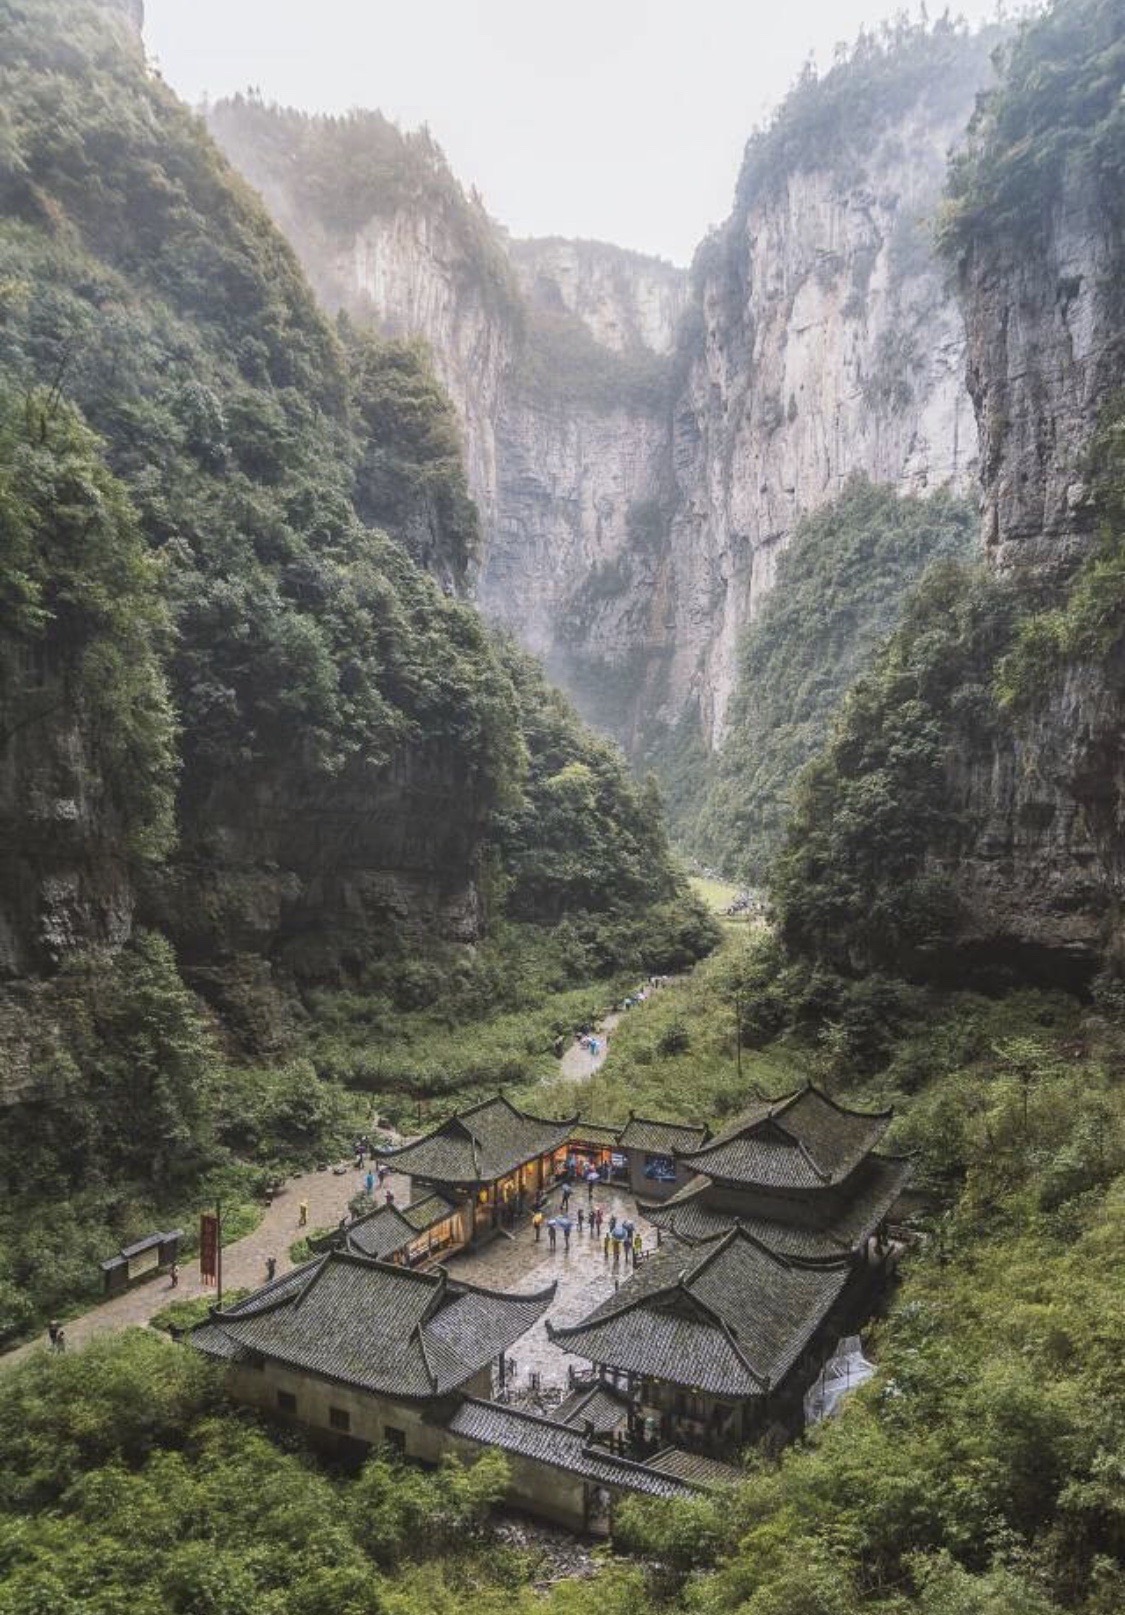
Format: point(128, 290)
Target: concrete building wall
point(372, 1419)
point(537, 1488)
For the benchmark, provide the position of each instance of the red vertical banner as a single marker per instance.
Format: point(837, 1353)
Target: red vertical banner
point(209, 1247)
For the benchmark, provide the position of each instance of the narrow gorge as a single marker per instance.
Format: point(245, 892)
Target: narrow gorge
point(642, 441)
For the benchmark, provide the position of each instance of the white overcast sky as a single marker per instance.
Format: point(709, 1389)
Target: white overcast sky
point(622, 120)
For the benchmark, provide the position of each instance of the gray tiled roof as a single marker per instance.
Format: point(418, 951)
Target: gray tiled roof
point(804, 1141)
point(386, 1329)
point(729, 1317)
point(660, 1138)
point(593, 1404)
point(390, 1228)
point(695, 1468)
point(872, 1190)
point(528, 1435)
point(595, 1133)
point(480, 1144)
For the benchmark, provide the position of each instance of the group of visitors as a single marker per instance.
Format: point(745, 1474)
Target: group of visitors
point(620, 1237)
point(644, 993)
point(377, 1174)
point(622, 1242)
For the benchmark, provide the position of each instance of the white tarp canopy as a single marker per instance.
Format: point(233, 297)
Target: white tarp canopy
point(844, 1370)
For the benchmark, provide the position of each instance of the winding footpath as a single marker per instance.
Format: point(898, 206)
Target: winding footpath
point(244, 1263)
point(577, 1064)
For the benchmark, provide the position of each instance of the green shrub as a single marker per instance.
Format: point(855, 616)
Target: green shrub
point(842, 586)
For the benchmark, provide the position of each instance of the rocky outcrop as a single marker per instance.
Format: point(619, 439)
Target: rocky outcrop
point(1041, 876)
point(1045, 312)
point(1046, 324)
point(64, 876)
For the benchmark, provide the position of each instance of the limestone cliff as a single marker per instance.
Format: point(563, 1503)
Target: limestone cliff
point(625, 299)
point(830, 345)
point(1039, 241)
point(641, 444)
point(64, 874)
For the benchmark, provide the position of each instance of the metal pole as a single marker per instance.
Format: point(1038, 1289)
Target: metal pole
point(738, 1030)
point(219, 1250)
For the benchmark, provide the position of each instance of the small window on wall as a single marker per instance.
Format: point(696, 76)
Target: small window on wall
point(339, 1419)
point(395, 1439)
point(287, 1402)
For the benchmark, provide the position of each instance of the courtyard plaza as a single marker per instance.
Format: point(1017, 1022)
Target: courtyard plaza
point(584, 1275)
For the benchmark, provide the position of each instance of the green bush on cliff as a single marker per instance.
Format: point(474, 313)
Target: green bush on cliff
point(840, 590)
point(411, 473)
point(585, 837)
point(84, 622)
point(854, 884)
point(1056, 117)
point(832, 120)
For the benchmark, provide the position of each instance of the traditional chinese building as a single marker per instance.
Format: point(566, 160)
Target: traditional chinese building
point(774, 1247)
point(365, 1353)
point(410, 1236)
point(703, 1337)
point(487, 1162)
point(770, 1251)
point(800, 1173)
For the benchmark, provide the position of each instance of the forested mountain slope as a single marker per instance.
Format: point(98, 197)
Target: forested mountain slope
point(642, 442)
point(251, 739)
point(969, 808)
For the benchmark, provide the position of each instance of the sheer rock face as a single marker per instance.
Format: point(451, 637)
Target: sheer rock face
point(317, 876)
point(1040, 876)
point(1046, 324)
point(1046, 354)
point(830, 344)
point(625, 299)
point(628, 542)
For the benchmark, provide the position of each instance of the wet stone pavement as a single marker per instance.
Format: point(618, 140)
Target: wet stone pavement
point(585, 1278)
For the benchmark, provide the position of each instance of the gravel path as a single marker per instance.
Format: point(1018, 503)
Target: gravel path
point(577, 1063)
point(244, 1262)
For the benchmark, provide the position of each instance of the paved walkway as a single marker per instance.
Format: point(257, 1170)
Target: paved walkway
point(577, 1063)
point(244, 1263)
point(584, 1275)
